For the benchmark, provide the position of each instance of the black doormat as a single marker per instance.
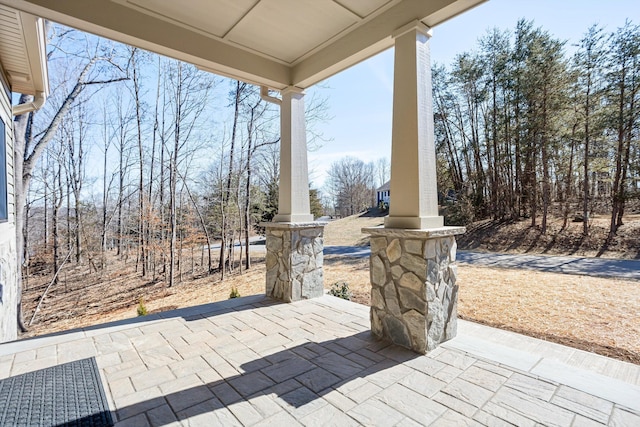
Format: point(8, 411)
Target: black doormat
point(64, 395)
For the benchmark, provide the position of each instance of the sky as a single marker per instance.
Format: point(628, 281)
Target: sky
point(360, 98)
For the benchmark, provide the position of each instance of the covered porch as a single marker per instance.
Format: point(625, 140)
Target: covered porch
point(286, 47)
point(314, 359)
point(255, 361)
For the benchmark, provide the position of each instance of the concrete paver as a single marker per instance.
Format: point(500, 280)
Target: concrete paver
point(463, 408)
point(184, 367)
point(375, 413)
point(33, 365)
point(532, 408)
point(139, 420)
point(486, 419)
point(328, 415)
point(593, 383)
point(582, 403)
point(212, 367)
point(121, 387)
point(467, 392)
point(423, 383)
point(301, 402)
point(162, 415)
point(183, 399)
point(414, 405)
point(531, 386)
point(448, 374)
point(453, 418)
point(621, 417)
point(5, 365)
point(484, 378)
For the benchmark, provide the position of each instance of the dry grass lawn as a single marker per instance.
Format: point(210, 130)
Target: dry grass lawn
point(346, 231)
point(589, 313)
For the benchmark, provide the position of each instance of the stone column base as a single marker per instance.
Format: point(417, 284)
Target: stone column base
point(294, 260)
point(414, 293)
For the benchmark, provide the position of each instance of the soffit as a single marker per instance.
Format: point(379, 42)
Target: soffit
point(22, 51)
point(276, 43)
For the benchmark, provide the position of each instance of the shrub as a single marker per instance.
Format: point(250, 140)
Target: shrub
point(142, 310)
point(234, 293)
point(340, 290)
point(459, 212)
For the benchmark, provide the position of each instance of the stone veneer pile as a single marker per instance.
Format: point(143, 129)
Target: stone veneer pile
point(294, 260)
point(414, 290)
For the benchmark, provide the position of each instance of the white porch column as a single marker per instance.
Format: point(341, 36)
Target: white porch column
point(294, 242)
point(414, 199)
point(414, 292)
point(293, 197)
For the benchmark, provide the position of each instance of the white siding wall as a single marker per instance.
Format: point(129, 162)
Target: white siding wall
point(8, 259)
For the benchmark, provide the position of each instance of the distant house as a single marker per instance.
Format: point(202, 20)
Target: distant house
point(382, 194)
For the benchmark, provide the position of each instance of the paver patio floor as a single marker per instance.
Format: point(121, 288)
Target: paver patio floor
point(254, 361)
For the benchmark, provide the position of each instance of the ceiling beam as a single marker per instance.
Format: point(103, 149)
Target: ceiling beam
point(373, 37)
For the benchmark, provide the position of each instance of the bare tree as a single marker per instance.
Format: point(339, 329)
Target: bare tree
point(624, 87)
point(351, 183)
point(28, 147)
point(237, 97)
point(188, 99)
point(74, 135)
point(382, 170)
point(589, 62)
point(258, 135)
point(142, 258)
point(107, 181)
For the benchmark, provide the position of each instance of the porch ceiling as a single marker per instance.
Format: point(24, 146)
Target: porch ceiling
point(22, 52)
point(277, 43)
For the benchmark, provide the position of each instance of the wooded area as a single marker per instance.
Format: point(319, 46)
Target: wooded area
point(145, 158)
point(525, 130)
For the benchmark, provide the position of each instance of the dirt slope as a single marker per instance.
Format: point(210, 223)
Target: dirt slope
point(521, 237)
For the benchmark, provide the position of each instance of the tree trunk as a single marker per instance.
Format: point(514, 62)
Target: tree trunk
point(585, 176)
point(120, 199)
point(546, 186)
point(173, 178)
point(568, 180)
point(202, 224)
point(227, 191)
point(57, 202)
point(141, 216)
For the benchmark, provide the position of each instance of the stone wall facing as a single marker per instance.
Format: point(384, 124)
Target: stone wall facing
point(294, 260)
point(413, 286)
